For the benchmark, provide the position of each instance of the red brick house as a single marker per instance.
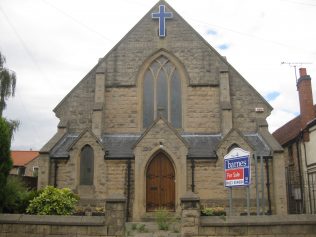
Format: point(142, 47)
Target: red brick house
point(298, 138)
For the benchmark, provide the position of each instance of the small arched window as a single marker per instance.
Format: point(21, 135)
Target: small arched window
point(232, 146)
point(162, 93)
point(86, 165)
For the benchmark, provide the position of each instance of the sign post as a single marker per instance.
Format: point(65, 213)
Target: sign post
point(237, 172)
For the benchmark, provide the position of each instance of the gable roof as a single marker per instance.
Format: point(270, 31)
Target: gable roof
point(240, 134)
point(22, 158)
point(87, 130)
point(168, 125)
point(289, 131)
point(100, 62)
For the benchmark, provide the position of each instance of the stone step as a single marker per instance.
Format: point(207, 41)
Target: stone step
point(151, 229)
point(157, 234)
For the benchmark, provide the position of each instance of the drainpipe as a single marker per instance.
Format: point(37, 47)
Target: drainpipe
point(193, 181)
point(128, 187)
point(268, 185)
point(55, 172)
point(298, 154)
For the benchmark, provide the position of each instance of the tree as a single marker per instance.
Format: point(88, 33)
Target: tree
point(7, 84)
point(5, 157)
point(7, 127)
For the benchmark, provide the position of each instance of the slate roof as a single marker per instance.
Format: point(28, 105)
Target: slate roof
point(22, 158)
point(289, 131)
point(258, 143)
point(121, 145)
point(62, 147)
point(202, 145)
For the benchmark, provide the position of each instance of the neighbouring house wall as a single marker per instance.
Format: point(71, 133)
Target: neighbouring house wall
point(29, 168)
point(310, 147)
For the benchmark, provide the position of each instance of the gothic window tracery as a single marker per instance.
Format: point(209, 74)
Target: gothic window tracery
point(162, 93)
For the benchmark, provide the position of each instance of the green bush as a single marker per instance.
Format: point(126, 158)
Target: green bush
point(213, 211)
point(163, 218)
point(53, 201)
point(17, 196)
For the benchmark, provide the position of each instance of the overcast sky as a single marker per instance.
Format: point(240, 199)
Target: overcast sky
point(53, 44)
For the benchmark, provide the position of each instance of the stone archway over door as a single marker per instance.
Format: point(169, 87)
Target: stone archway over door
point(160, 184)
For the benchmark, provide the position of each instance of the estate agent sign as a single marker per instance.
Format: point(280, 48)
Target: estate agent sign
point(237, 168)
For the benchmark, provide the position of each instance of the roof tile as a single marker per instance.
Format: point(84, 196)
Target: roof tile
point(289, 131)
point(21, 158)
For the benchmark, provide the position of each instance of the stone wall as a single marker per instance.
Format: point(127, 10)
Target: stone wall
point(245, 99)
point(203, 110)
point(253, 226)
point(75, 109)
point(124, 60)
point(192, 224)
point(116, 176)
point(112, 224)
point(120, 110)
point(12, 225)
point(199, 66)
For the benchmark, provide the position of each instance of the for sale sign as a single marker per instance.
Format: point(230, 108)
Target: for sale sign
point(237, 168)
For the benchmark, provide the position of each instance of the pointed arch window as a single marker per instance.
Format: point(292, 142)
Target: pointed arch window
point(86, 165)
point(162, 93)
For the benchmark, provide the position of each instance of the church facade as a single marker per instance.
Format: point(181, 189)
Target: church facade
point(155, 118)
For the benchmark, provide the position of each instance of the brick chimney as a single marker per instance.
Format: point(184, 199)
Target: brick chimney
point(304, 87)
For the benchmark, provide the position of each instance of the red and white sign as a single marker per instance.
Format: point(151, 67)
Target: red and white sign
point(237, 168)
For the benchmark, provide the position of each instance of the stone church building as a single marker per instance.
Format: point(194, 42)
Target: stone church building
point(155, 118)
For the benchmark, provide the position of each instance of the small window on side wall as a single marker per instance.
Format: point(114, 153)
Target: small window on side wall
point(35, 171)
point(86, 165)
point(21, 171)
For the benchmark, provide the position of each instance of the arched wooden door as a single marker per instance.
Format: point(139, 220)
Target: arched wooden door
point(160, 184)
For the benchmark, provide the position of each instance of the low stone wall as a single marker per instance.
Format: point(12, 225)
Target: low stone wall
point(253, 226)
point(18, 225)
point(192, 224)
point(112, 224)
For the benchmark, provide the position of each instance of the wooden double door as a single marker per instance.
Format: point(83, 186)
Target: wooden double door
point(160, 184)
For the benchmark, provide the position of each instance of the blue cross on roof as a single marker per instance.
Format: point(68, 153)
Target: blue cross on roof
point(162, 15)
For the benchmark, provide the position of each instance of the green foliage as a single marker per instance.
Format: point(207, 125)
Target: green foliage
point(7, 84)
point(134, 226)
point(163, 218)
point(142, 228)
point(53, 201)
point(5, 158)
point(213, 211)
point(17, 196)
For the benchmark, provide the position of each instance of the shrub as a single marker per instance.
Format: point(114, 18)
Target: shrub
point(213, 211)
point(17, 196)
point(163, 218)
point(53, 201)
